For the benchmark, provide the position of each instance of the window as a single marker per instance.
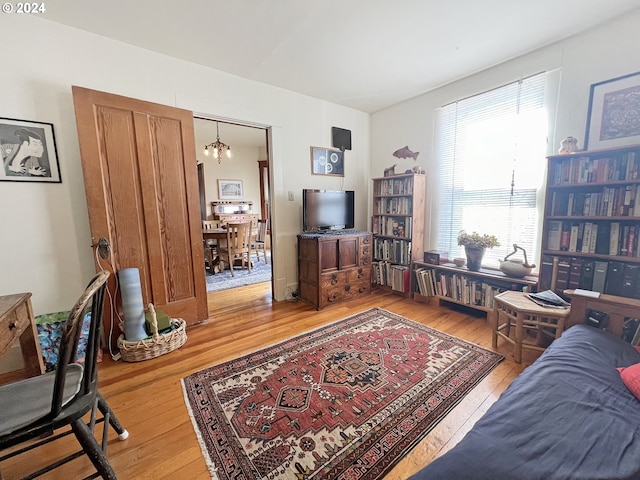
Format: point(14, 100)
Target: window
point(491, 152)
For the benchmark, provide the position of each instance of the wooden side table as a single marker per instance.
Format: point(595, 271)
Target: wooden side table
point(17, 322)
point(513, 308)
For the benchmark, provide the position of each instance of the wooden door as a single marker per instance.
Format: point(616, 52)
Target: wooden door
point(140, 174)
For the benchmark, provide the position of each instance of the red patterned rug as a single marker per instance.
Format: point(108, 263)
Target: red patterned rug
point(348, 400)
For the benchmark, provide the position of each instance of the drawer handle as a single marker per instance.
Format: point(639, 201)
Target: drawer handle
point(13, 326)
point(365, 261)
point(332, 298)
point(347, 287)
point(362, 289)
point(365, 250)
point(334, 279)
point(359, 273)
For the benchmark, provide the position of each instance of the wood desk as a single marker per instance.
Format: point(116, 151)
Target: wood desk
point(17, 321)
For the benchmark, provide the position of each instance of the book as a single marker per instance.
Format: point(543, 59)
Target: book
point(575, 273)
point(599, 275)
point(546, 270)
point(554, 232)
point(573, 238)
point(629, 279)
point(562, 280)
point(614, 238)
point(613, 283)
point(586, 280)
point(548, 298)
point(603, 234)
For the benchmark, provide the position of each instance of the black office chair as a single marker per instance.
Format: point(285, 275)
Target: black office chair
point(38, 406)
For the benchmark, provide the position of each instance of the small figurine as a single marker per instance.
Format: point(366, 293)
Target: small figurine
point(388, 172)
point(568, 145)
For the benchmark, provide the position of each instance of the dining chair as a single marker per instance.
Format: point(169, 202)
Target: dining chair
point(238, 246)
point(37, 407)
point(210, 245)
point(259, 243)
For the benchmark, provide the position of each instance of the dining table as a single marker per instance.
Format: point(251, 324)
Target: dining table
point(217, 234)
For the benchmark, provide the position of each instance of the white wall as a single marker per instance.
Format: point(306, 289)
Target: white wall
point(45, 245)
point(603, 53)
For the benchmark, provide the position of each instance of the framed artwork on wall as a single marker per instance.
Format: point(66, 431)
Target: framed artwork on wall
point(230, 189)
point(613, 119)
point(28, 151)
point(327, 161)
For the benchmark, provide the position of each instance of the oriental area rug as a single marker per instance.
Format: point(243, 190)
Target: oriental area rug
point(347, 400)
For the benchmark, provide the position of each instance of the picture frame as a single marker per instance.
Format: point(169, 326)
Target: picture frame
point(327, 161)
point(28, 152)
point(613, 118)
point(230, 189)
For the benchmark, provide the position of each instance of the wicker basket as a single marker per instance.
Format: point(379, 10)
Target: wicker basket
point(157, 345)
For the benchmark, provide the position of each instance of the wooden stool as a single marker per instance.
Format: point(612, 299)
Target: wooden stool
point(513, 308)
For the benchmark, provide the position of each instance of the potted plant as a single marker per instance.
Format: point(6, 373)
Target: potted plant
point(475, 245)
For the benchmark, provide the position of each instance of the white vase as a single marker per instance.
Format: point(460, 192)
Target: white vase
point(132, 306)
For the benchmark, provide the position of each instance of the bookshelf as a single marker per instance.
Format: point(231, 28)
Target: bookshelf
point(592, 222)
point(398, 229)
point(450, 283)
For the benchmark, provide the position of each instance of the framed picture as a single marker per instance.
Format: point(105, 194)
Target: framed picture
point(327, 161)
point(613, 119)
point(28, 151)
point(230, 189)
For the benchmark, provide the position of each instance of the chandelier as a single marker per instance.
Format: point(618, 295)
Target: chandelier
point(218, 147)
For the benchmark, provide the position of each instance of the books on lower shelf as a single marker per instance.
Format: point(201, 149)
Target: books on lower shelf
point(610, 277)
point(391, 275)
point(464, 288)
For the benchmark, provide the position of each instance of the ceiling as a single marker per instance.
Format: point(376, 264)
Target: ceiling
point(364, 54)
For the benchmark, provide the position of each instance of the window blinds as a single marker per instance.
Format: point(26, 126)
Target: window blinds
point(491, 157)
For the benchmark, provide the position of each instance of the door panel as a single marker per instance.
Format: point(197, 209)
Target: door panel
point(141, 183)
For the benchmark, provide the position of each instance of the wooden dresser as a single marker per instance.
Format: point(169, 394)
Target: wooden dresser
point(238, 211)
point(333, 268)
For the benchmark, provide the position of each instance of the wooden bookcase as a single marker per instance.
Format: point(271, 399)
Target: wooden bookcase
point(461, 286)
point(398, 229)
point(592, 222)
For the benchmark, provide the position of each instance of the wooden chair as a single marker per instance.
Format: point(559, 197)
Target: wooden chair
point(238, 246)
point(210, 246)
point(259, 242)
point(36, 407)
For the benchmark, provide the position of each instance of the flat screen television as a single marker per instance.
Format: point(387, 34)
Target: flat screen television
point(327, 210)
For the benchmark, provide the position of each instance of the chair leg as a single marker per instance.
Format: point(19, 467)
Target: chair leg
point(111, 418)
point(92, 449)
point(233, 274)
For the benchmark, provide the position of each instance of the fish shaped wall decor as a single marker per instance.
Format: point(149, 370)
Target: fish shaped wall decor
point(404, 152)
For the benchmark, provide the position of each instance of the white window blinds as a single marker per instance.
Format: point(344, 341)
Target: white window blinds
point(491, 156)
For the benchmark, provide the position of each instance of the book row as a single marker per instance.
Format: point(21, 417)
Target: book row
point(591, 170)
point(462, 288)
point(610, 277)
point(610, 202)
point(602, 238)
point(395, 276)
point(391, 226)
point(393, 186)
point(392, 250)
point(393, 206)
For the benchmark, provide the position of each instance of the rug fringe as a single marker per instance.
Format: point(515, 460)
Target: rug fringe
point(213, 471)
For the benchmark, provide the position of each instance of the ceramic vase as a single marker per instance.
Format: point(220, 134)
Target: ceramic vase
point(474, 257)
point(132, 306)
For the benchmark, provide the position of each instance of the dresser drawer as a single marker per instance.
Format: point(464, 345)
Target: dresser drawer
point(13, 324)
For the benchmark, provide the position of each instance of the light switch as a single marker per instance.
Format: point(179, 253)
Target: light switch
point(290, 196)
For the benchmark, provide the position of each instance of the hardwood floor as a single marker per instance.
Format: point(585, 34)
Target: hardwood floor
point(147, 396)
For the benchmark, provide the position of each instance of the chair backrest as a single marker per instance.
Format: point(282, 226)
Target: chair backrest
point(209, 224)
point(239, 237)
point(262, 230)
point(92, 297)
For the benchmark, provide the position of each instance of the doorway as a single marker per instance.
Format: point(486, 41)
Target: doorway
point(248, 168)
